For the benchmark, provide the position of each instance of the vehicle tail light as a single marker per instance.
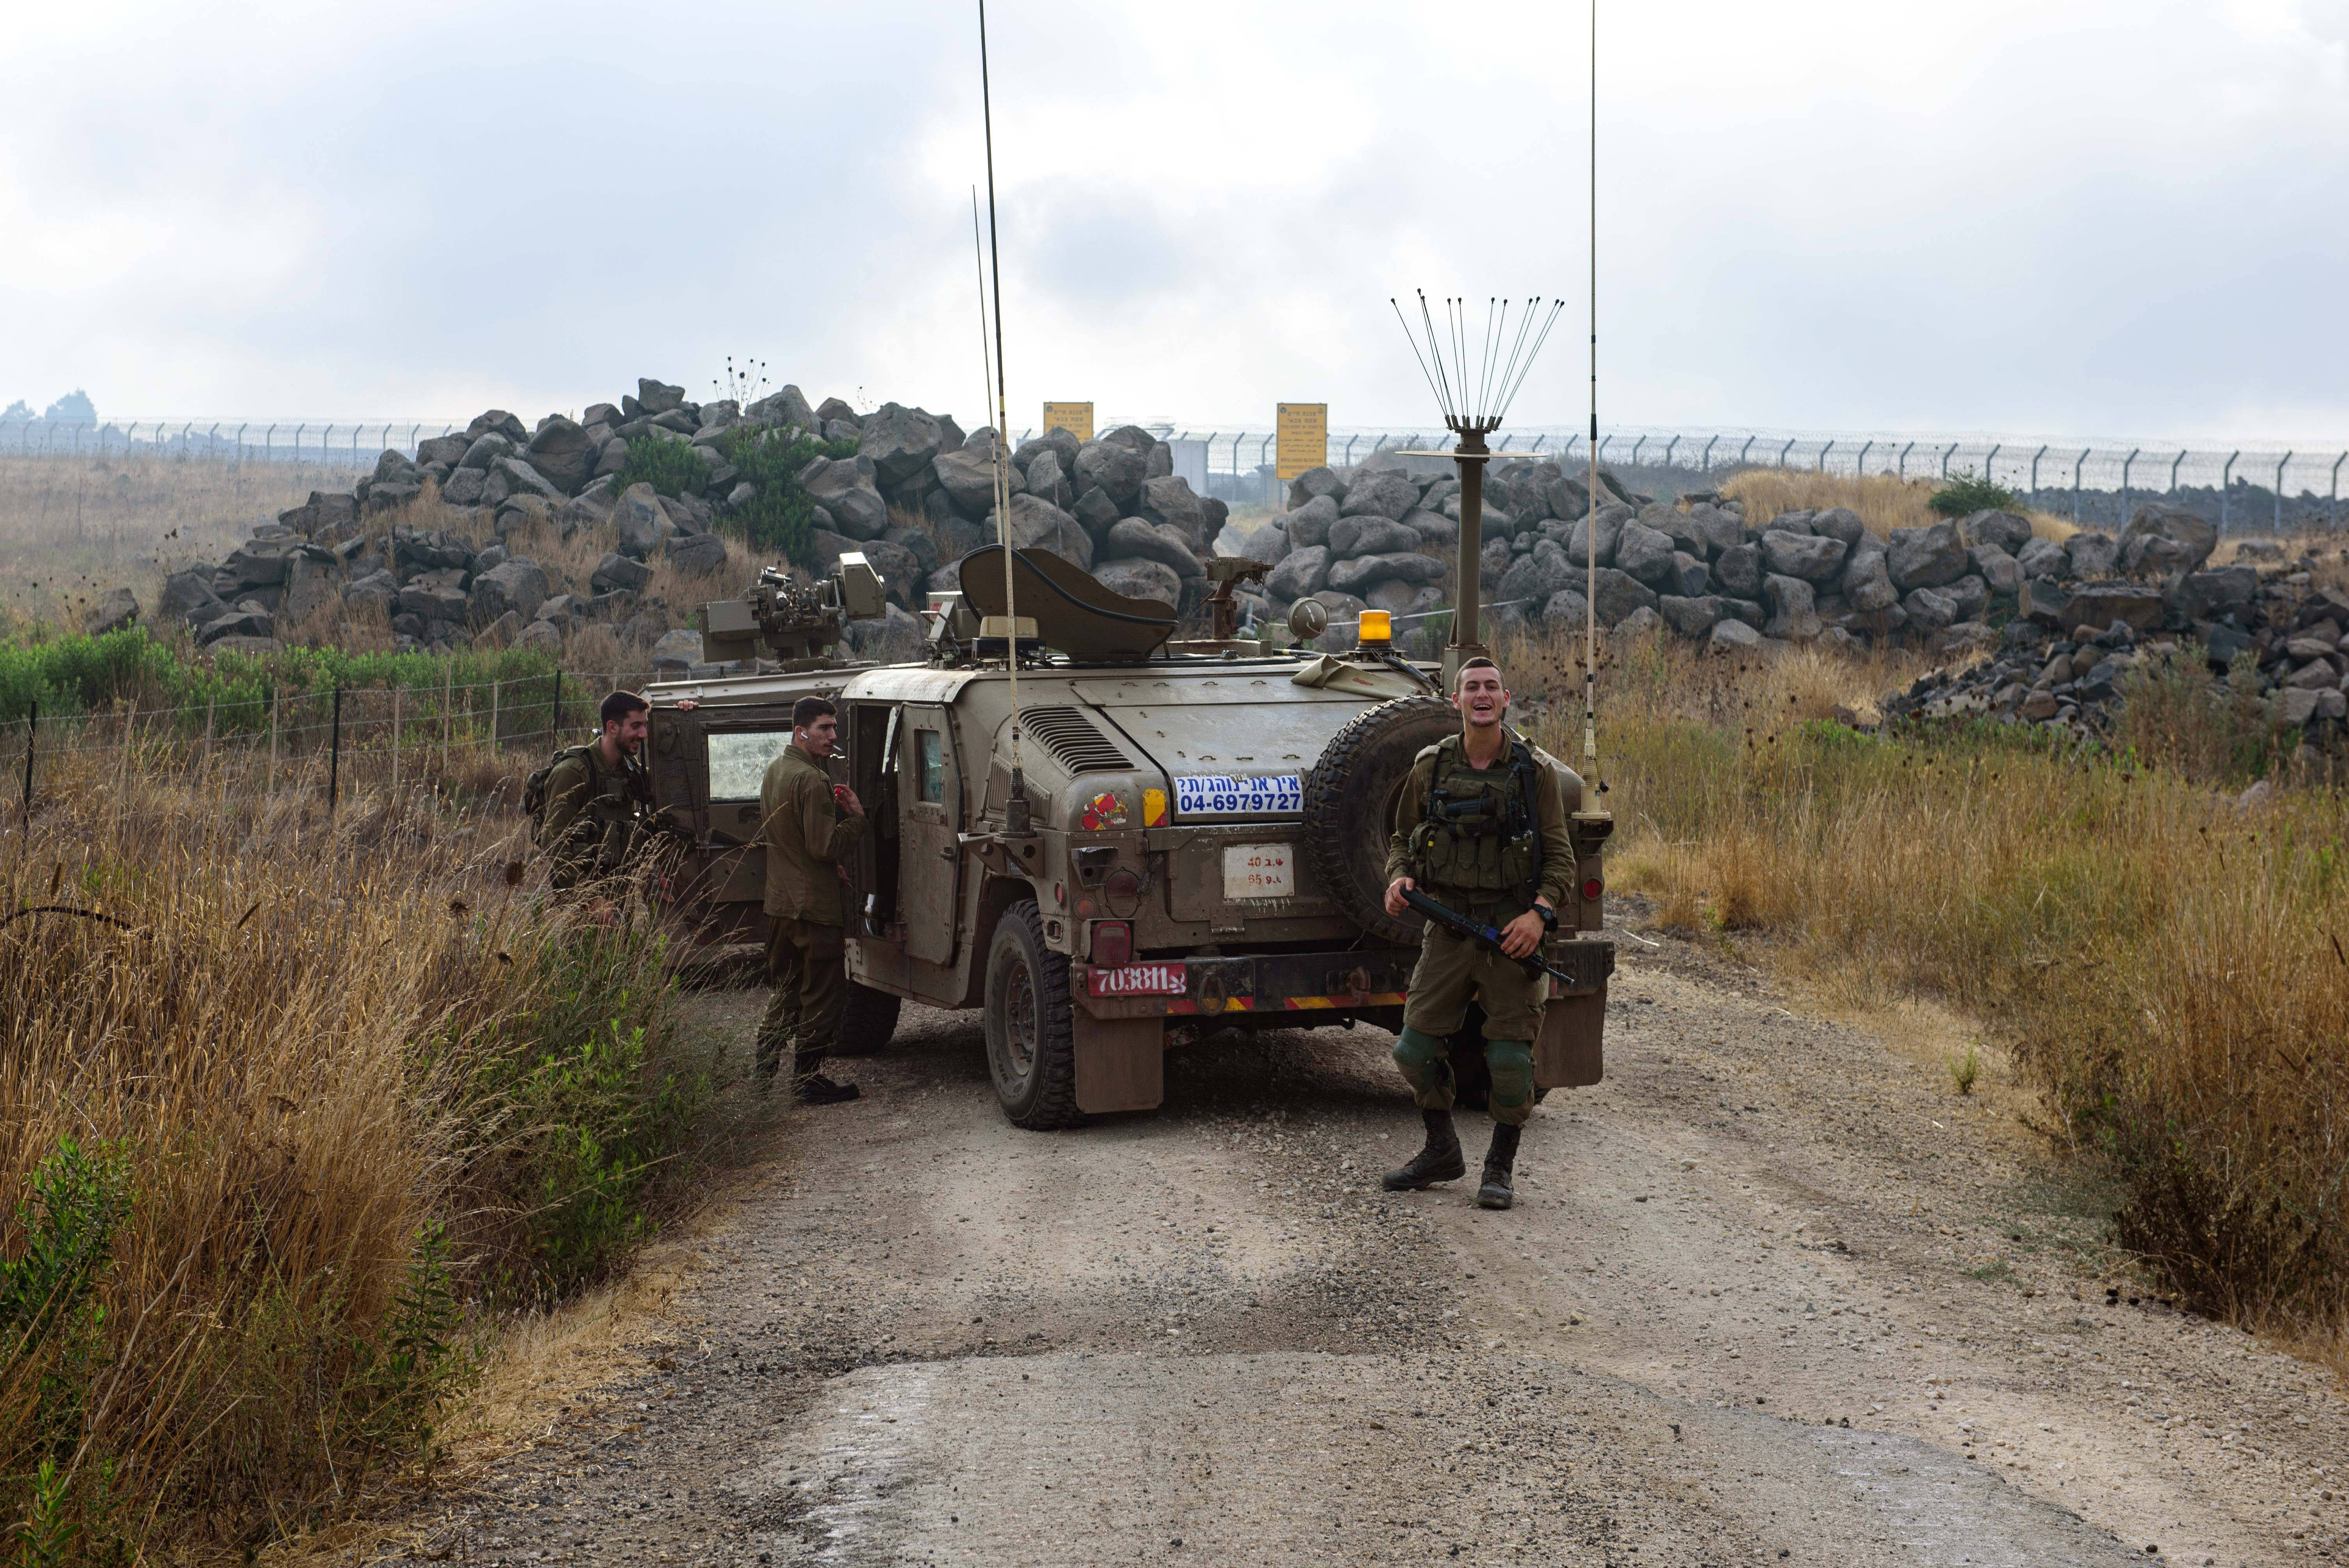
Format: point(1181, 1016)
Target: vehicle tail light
point(1591, 888)
point(1124, 883)
point(1113, 943)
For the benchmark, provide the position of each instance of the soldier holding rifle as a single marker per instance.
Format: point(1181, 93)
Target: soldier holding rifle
point(1480, 828)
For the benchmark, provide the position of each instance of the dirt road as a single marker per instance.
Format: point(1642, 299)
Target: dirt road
point(1772, 1293)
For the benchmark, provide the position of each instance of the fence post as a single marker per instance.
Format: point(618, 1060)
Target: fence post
point(2076, 464)
point(122, 769)
point(32, 732)
point(2125, 482)
point(1708, 454)
point(1821, 466)
point(335, 753)
point(2336, 488)
point(396, 691)
point(1783, 451)
point(1746, 451)
point(2279, 491)
point(1635, 444)
point(2035, 474)
point(448, 719)
point(1670, 447)
point(1990, 470)
point(1945, 461)
point(2173, 470)
point(1904, 461)
point(1860, 468)
point(2226, 487)
point(269, 785)
point(495, 686)
point(558, 705)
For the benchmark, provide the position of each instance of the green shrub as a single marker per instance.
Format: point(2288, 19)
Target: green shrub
point(596, 1095)
point(53, 1345)
point(671, 465)
point(781, 516)
point(1969, 493)
point(78, 674)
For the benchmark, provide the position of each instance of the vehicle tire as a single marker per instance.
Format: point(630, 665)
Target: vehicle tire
point(1350, 806)
point(1031, 1052)
point(866, 1022)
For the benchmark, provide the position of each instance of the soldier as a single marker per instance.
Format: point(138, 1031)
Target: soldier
point(589, 826)
point(810, 822)
point(1481, 827)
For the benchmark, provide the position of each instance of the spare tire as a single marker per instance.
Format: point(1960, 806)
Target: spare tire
point(1350, 806)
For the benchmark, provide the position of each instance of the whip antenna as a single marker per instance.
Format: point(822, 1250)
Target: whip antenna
point(1014, 806)
point(1590, 544)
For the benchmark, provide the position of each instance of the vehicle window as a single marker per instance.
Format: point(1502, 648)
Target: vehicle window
point(930, 764)
point(738, 761)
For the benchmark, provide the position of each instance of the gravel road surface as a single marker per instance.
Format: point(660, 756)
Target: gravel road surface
point(1772, 1293)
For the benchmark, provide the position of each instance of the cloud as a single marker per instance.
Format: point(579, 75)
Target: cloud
point(2078, 215)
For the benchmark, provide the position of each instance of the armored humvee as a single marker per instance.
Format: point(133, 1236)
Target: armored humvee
point(1185, 836)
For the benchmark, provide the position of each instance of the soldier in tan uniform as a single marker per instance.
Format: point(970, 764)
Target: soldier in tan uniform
point(589, 826)
point(1481, 827)
point(810, 823)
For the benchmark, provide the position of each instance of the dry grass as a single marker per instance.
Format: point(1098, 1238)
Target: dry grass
point(1883, 501)
point(346, 1077)
point(2166, 969)
point(69, 530)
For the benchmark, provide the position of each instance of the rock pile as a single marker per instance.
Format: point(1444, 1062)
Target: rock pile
point(914, 497)
point(1114, 505)
point(2263, 623)
point(441, 588)
point(1380, 536)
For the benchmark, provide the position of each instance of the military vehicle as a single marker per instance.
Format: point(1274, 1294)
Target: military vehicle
point(1185, 836)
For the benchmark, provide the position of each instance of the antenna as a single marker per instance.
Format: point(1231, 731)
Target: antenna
point(1475, 390)
point(1591, 540)
point(1014, 805)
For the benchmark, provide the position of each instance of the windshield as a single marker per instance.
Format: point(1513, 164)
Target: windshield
point(739, 758)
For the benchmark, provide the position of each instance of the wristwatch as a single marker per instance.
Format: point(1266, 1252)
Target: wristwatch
point(1549, 915)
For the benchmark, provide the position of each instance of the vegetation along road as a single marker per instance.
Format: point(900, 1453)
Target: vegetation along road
point(1771, 1293)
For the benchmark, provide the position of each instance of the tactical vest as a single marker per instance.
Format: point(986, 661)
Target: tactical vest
point(1479, 835)
point(610, 809)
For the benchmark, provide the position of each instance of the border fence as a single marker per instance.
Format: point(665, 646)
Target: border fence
point(2265, 486)
point(326, 744)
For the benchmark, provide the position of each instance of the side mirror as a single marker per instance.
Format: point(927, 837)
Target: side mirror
point(1308, 619)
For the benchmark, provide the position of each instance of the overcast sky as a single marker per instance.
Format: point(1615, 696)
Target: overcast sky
point(2124, 216)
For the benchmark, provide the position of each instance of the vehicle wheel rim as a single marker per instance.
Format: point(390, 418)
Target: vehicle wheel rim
point(1016, 1057)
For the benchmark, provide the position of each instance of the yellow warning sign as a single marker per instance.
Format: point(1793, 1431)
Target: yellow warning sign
point(1076, 419)
point(1304, 438)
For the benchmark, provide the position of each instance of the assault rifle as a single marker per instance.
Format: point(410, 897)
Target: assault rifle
point(1483, 935)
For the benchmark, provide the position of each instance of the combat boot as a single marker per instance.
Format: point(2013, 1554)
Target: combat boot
point(817, 1089)
point(1496, 1192)
point(1440, 1161)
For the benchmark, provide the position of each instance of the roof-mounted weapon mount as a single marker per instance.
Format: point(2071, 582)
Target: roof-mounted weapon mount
point(794, 620)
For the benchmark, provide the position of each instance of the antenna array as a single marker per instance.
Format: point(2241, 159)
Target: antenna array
point(1474, 387)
